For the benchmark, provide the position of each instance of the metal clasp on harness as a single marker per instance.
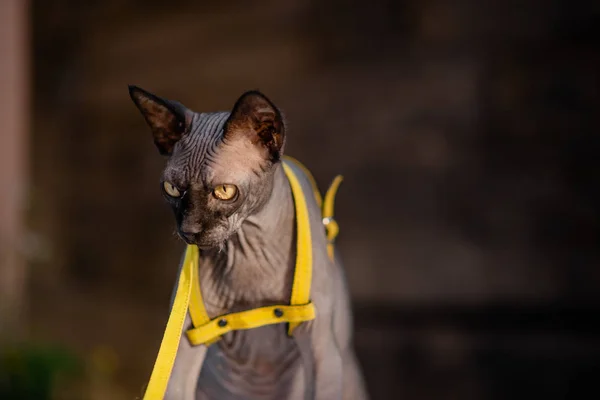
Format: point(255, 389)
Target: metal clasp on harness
point(331, 228)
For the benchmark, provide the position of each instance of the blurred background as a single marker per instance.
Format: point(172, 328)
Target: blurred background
point(466, 130)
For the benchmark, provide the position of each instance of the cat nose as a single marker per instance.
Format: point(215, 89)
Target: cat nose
point(189, 232)
point(188, 236)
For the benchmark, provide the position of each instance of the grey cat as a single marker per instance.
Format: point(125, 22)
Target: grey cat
point(225, 183)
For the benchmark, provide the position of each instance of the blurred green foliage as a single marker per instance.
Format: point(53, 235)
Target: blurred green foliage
point(33, 371)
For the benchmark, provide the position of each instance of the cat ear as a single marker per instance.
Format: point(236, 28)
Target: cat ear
point(168, 119)
point(257, 118)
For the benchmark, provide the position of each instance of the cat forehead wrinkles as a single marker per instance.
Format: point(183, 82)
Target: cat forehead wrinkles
point(204, 156)
point(196, 148)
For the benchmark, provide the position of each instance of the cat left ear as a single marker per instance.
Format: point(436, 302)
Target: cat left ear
point(168, 119)
point(257, 118)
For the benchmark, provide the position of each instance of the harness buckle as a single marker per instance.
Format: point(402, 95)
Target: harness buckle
point(331, 228)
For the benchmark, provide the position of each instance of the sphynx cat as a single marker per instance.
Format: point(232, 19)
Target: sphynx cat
point(225, 183)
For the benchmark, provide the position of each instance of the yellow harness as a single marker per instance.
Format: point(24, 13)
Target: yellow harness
point(207, 331)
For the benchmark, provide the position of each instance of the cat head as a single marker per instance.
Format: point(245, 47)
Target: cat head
point(220, 166)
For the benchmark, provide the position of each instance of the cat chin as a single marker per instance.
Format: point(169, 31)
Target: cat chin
point(218, 248)
point(201, 245)
point(209, 245)
point(208, 241)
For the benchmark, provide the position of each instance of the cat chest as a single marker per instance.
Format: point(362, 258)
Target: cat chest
point(258, 363)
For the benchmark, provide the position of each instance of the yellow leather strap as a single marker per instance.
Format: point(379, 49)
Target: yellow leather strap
point(310, 177)
point(303, 270)
point(200, 318)
point(250, 319)
point(331, 227)
point(161, 372)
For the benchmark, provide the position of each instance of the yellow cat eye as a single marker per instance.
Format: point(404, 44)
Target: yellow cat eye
point(171, 190)
point(225, 192)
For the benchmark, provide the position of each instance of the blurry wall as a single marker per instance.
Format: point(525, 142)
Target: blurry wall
point(14, 174)
point(466, 132)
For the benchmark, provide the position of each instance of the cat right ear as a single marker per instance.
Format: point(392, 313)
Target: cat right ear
point(167, 119)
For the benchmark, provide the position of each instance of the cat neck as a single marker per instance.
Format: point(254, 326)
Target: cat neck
point(255, 266)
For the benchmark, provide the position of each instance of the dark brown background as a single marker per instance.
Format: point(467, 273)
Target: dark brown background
point(467, 133)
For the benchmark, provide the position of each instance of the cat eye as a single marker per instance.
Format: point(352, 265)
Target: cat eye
point(225, 192)
point(171, 190)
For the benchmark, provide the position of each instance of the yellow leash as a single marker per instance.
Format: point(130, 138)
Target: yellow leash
point(170, 342)
point(207, 331)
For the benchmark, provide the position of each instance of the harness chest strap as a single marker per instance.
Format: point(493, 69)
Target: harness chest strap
point(207, 331)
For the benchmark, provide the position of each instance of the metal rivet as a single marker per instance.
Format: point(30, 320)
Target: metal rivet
point(222, 322)
point(278, 312)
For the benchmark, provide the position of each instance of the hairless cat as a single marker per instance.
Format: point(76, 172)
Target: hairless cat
point(226, 184)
